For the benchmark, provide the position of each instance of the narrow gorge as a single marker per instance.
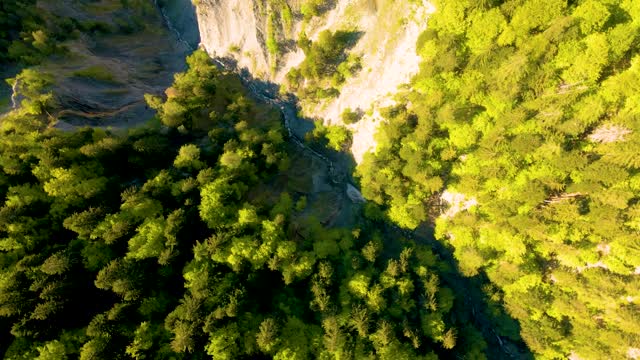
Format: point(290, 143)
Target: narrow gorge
point(311, 179)
point(387, 35)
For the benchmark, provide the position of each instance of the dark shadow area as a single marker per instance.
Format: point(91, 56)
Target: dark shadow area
point(330, 171)
point(297, 126)
point(472, 303)
point(288, 45)
point(348, 38)
point(327, 5)
point(183, 20)
point(472, 306)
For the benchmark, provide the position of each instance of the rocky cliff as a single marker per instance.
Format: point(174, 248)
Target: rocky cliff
point(116, 53)
point(181, 18)
point(250, 31)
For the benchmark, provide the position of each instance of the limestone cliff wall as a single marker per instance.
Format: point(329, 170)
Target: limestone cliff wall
point(234, 28)
point(389, 28)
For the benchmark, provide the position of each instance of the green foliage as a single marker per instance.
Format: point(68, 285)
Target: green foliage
point(202, 99)
point(272, 41)
point(523, 110)
point(191, 261)
point(336, 137)
point(31, 85)
point(286, 16)
point(279, 26)
point(188, 158)
point(29, 32)
point(16, 16)
point(326, 65)
point(310, 8)
point(350, 117)
point(53, 350)
point(339, 137)
point(96, 72)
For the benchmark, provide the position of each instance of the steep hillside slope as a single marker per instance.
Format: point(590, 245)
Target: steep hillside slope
point(264, 37)
point(102, 57)
point(526, 113)
point(197, 240)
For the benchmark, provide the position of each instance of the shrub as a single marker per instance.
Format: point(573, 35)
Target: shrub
point(96, 72)
point(350, 117)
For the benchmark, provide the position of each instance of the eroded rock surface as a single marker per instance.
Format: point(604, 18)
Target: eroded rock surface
point(389, 31)
point(104, 76)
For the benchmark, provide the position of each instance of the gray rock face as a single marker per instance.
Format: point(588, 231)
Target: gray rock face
point(354, 194)
point(240, 29)
point(138, 63)
point(7, 97)
point(234, 28)
point(182, 17)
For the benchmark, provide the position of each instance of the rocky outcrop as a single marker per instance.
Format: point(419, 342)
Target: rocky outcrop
point(182, 19)
point(390, 29)
point(389, 60)
point(234, 28)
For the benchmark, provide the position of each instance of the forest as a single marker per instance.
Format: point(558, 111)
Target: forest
point(176, 244)
point(528, 111)
point(515, 149)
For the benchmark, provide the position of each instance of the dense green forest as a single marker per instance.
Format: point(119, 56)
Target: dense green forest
point(196, 236)
point(528, 111)
point(16, 18)
point(183, 243)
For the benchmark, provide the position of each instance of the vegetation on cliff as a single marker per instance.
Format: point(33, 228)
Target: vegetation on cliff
point(326, 65)
point(192, 238)
point(529, 110)
point(176, 244)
